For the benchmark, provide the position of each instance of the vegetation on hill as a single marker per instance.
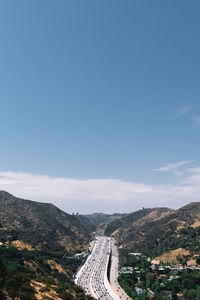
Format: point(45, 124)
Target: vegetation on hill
point(39, 242)
point(87, 223)
point(44, 226)
point(164, 232)
point(126, 221)
point(189, 238)
point(154, 231)
point(98, 219)
point(31, 275)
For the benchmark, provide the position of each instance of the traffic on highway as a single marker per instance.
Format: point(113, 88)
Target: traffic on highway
point(93, 275)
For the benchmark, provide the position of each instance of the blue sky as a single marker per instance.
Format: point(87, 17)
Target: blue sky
point(99, 90)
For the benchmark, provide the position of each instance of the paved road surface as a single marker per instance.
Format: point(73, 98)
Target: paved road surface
point(114, 273)
point(93, 274)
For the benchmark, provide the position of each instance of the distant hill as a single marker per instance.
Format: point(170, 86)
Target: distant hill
point(155, 230)
point(126, 221)
point(43, 226)
point(87, 223)
point(98, 219)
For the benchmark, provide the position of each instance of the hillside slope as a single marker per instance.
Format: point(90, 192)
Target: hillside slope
point(100, 220)
point(153, 231)
point(42, 225)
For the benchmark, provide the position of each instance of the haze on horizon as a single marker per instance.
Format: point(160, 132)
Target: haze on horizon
point(100, 103)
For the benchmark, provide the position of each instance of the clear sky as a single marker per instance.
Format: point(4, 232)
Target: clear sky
point(98, 94)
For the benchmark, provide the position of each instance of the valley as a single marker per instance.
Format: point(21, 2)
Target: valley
point(98, 276)
point(45, 253)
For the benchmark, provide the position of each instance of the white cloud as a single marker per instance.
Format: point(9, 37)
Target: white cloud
point(104, 195)
point(74, 194)
point(193, 178)
point(174, 167)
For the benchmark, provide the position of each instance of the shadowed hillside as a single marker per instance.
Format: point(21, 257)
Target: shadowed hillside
point(99, 220)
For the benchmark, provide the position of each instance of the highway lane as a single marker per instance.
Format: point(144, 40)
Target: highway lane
point(114, 272)
point(93, 274)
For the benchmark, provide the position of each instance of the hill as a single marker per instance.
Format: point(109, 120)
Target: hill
point(42, 226)
point(36, 241)
point(154, 231)
point(87, 223)
point(99, 220)
point(160, 236)
point(35, 275)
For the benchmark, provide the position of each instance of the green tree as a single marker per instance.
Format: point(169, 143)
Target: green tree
point(190, 294)
point(150, 279)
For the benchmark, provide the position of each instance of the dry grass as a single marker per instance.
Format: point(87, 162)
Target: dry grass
point(21, 245)
point(51, 294)
point(54, 266)
point(151, 217)
point(171, 256)
point(196, 224)
point(182, 225)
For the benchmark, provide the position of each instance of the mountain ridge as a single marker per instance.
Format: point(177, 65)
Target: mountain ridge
point(153, 230)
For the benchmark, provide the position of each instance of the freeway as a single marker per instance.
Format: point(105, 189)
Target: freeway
point(114, 273)
point(93, 274)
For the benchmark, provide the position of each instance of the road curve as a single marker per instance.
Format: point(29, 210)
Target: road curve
point(93, 274)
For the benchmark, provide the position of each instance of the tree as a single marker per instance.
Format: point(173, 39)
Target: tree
point(190, 294)
point(2, 273)
point(150, 279)
point(187, 283)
